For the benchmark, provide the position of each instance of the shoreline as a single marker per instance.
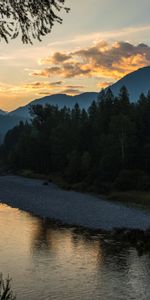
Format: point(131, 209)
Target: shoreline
point(69, 207)
point(130, 198)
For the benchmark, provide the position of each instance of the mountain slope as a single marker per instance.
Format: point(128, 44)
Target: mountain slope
point(9, 120)
point(2, 112)
point(84, 100)
point(136, 82)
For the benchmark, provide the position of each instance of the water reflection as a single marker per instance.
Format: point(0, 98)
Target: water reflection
point(47, 262)
point(65, 247)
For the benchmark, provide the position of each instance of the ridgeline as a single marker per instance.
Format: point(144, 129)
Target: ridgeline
point(104, 149)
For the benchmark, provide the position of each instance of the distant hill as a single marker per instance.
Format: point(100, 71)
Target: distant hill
point(84, 100)
point(136, 82)
point(9, 120)
point(2, 112)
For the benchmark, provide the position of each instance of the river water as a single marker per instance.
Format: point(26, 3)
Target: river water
point(47, 262)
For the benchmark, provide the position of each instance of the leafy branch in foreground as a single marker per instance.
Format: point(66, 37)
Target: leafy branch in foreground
point(31, 19)
point(5, 289)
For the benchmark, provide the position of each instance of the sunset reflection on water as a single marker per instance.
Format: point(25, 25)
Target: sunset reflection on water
point(47, 262)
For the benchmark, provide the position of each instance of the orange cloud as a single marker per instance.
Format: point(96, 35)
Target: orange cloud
point(46, 72)
point(103, 60)
point(41, 85)
point(29, 90)
point(71, 91)
point(37, 86)
point(104, 84)
point(57, 57)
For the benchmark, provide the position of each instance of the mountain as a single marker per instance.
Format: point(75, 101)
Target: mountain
point(84, 100)
point(2, 112)
point(136, 82)
point(9, 120)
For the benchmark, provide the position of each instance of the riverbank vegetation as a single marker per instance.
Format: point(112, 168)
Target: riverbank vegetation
point(139, 199)
point(104, 149)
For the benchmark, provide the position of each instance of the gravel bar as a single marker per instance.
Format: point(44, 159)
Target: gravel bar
point(72, 208)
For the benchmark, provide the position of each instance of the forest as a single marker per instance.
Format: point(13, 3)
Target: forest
point(105, 148)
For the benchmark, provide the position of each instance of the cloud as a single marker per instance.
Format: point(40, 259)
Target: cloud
point(74, 86)
point(71, 91)
point(124, 33)
point(66, 70)
point(46, 72)
point(44, 93)
point(58, 57)
point(45, 88)
point(102, 60)
point(13, 95)
point(41, 88)
point(41, 85)
point(104, 84)
point(30, 87)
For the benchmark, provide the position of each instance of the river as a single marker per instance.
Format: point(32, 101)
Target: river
point(51, 263)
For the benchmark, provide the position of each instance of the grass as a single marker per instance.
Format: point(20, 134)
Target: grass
point(137, 199)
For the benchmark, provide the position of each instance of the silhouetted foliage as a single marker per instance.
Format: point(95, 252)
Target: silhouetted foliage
point(5, 289)
point(106, 147)
point(31, 19)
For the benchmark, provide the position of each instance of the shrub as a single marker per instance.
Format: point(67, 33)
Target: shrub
point(132, 180)
point(5, 289)
point(27, 173)
point(102, 187)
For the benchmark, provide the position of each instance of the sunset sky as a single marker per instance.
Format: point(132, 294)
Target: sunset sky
point(99, 42)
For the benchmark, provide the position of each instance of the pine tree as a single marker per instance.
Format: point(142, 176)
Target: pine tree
point(124, 101)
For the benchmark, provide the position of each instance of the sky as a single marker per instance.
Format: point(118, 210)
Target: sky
point(98, 43)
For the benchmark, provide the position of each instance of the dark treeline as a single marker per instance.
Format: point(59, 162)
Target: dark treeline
point(104, 148)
